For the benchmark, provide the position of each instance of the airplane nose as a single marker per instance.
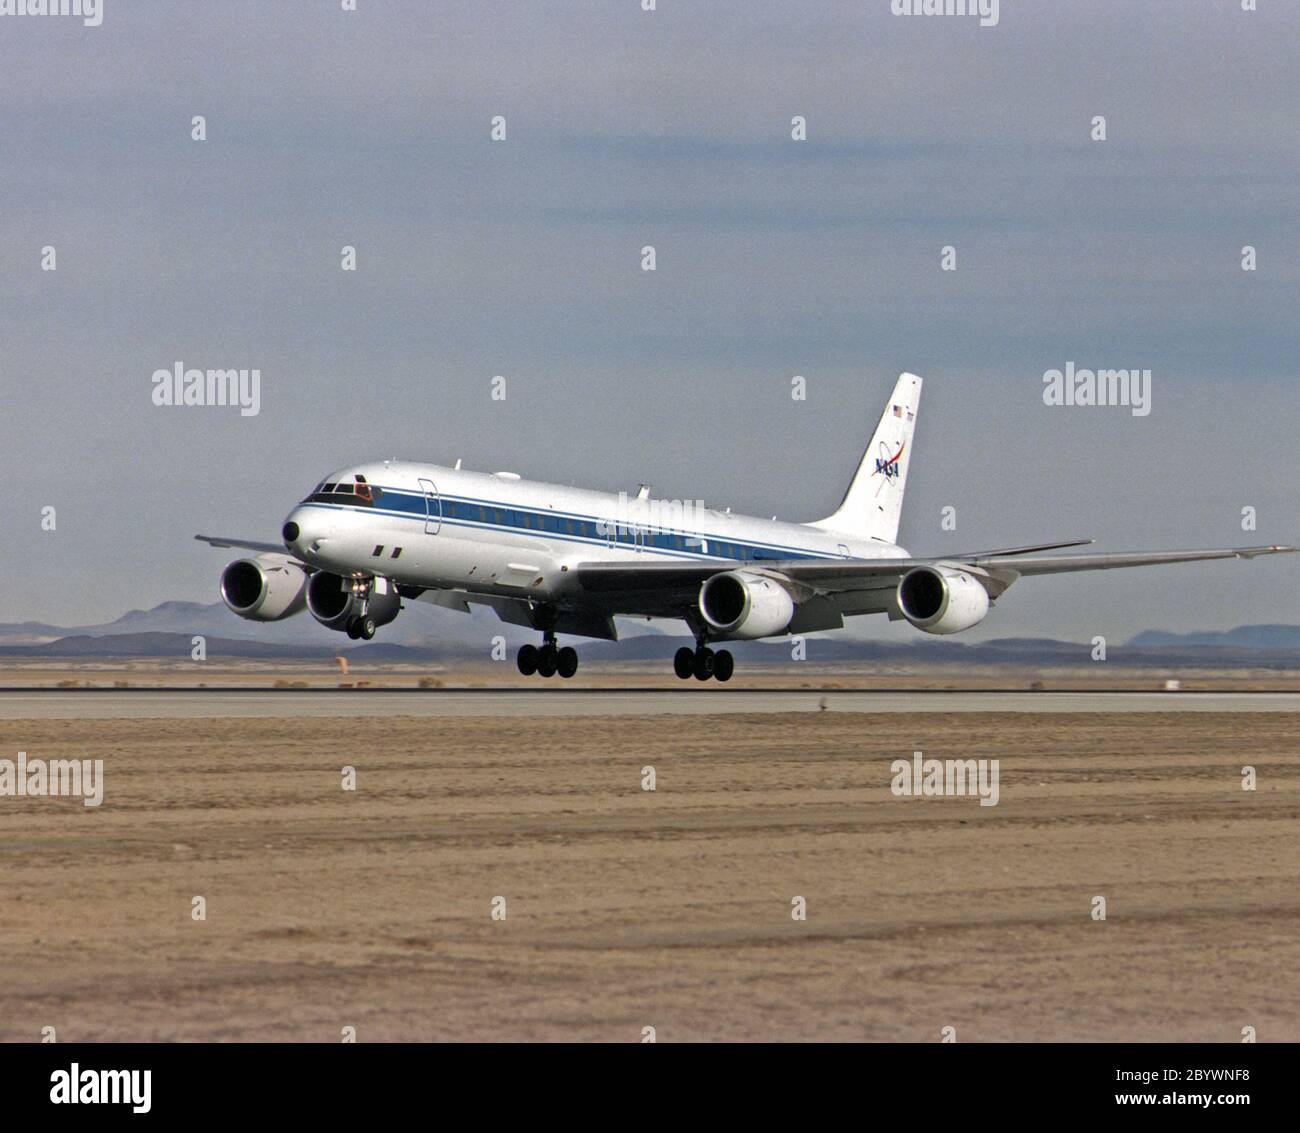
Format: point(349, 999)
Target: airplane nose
point(304, 532)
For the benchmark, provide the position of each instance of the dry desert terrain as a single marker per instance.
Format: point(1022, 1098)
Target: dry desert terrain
point(627, 908)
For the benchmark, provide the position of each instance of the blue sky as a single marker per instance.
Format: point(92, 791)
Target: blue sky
point(774, 258)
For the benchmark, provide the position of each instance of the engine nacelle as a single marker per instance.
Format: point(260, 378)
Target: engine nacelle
point(939, 600)
point(332, 600)
point(265, 588)
point(739, 604)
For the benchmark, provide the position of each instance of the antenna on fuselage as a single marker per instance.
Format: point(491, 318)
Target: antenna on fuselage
point(457, 468)
point(643, 491)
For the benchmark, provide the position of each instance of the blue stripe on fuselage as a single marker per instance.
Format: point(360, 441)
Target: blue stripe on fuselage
point(494, 515)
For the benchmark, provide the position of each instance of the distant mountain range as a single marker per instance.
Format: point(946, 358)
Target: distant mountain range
point(1243, 637)
point(442, 635)
point(436, 627)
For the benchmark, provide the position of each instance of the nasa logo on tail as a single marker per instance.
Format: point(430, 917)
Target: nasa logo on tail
point(886, 464)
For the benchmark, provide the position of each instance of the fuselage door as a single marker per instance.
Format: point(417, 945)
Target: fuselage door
point(432, 507)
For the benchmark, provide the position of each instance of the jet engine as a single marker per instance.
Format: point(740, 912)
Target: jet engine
point(265, 588)
point(332, 600)
point(942, 600)
point(740, 604)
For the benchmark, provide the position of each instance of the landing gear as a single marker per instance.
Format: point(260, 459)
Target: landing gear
point(361, 628)
point(703, 663)
point(548, 660)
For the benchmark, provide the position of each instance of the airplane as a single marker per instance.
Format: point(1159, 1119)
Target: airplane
point(563, 560)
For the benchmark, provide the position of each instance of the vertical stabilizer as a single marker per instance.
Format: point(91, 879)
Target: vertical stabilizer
point(873, 504)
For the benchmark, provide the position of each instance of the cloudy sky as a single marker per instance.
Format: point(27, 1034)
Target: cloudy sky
point(522, 258)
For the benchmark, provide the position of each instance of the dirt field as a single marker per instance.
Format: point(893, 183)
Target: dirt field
point(672, 909)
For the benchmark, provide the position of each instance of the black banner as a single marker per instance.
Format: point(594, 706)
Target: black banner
point(144, 1082)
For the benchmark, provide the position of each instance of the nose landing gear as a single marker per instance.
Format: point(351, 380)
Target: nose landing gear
point(361, 628)
point(547, 660)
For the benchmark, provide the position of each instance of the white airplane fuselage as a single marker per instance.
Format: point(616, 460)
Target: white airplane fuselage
point(431, 526)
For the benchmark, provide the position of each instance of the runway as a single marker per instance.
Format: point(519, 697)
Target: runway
point(190, 703)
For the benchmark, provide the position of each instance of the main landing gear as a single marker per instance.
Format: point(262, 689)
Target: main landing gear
point(703, 663)
point(361, 628)
point(548, 660)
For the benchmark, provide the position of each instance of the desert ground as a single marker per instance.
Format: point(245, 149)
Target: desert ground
point(672, 909)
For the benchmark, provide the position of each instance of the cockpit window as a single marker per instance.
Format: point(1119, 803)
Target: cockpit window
point(355, 492)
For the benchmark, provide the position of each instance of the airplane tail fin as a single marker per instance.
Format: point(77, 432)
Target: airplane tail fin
point(873, 504)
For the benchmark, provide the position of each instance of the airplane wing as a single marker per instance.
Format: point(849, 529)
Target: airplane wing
point(655, 587)
point(1059, 564)
point(243, 544)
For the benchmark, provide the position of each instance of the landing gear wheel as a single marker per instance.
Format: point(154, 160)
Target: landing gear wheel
point(723, 665)
point(704, 661)
point(566, 662)
point(547, 660)
point(353, 626)
point(366, 628)
point(684, 662)
point(527, 660)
